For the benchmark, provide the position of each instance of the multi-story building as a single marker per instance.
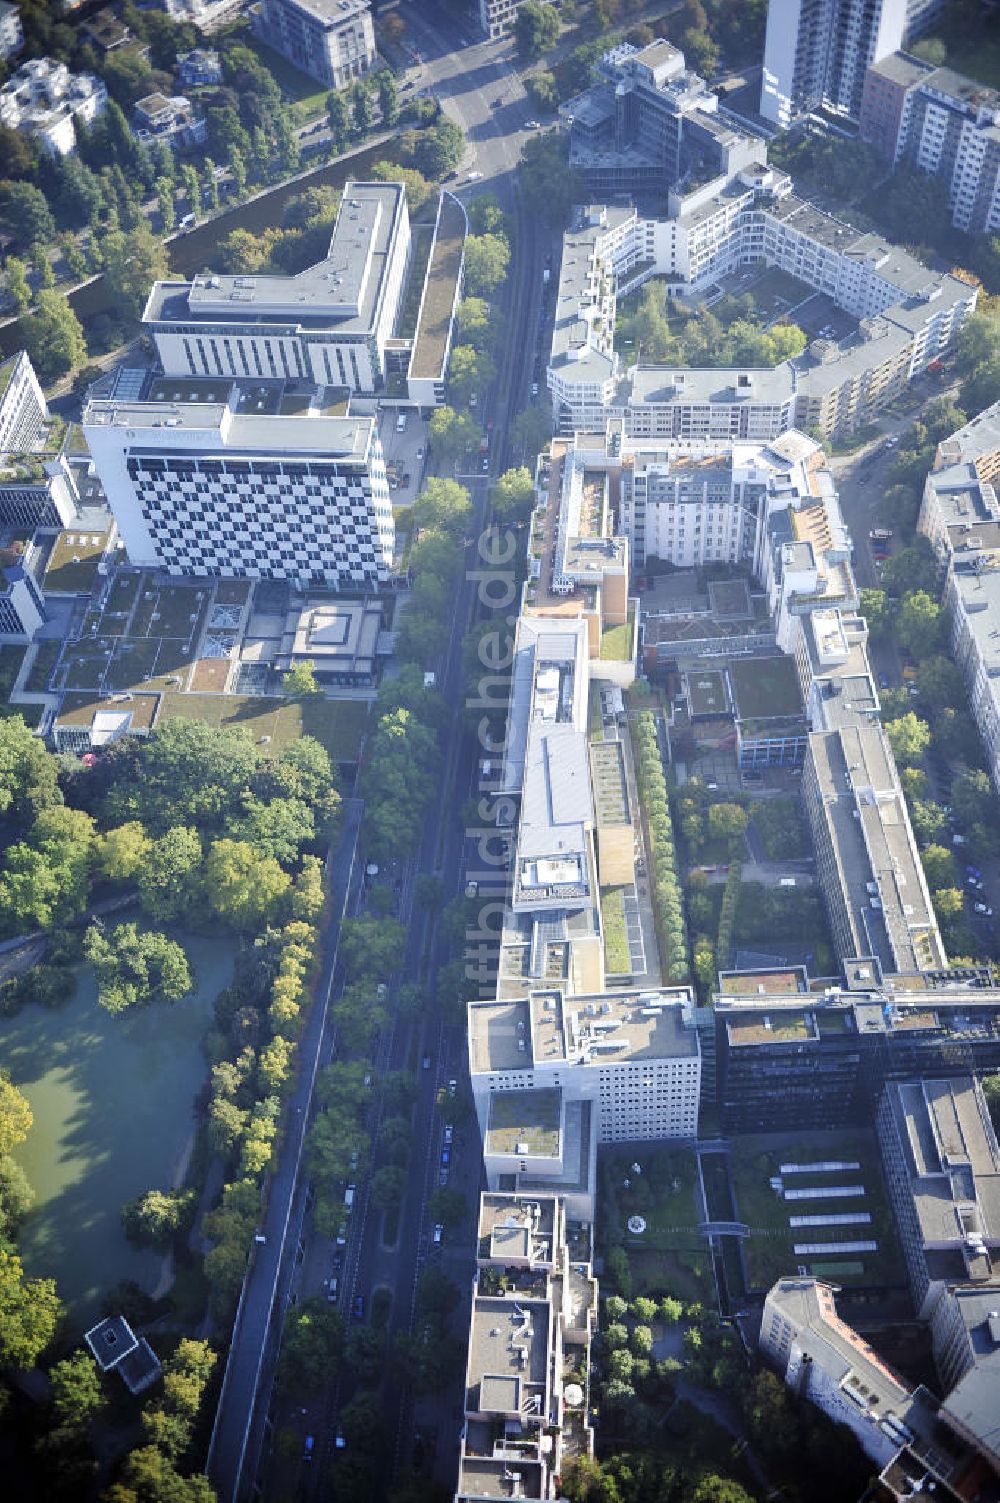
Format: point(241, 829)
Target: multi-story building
point(199, 66)
point(942, 123)
point(173, 119)
point(960, 515)
point(867, 863)
point(816, 51)
point(332, 40)
point(11, 31)
point(331, 325)
point(965, 1332)
point(648, 121)
point(790, 1059)
point(942, 1169)
point(497, 16)
point(37, 486)
point(44, 99)
point(903, 1429)
point(534, 1308)
point(251, 480)
point(906, 315)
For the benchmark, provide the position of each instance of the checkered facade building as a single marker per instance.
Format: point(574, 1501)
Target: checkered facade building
point(322, 521)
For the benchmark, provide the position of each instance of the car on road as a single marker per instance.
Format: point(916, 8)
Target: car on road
point(473, 177)
point(452, 1087)
point(880, 534)
point(534, 388)
point(307, 1451)
point(339, 1442)
point(342, 1234)
point(332, 1287)
point(498, 101)
point(472, 889)
point(445, 1156)
point(442, 1177)
point(486, 464)
point(984, 909)
point(449, 1132)
point(532, 125)
point(358, 1307)
point(438, 1232)
point(426, 1062)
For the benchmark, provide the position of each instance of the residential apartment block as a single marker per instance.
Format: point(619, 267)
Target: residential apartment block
point(903, 1429)
point(11, 31)
point(906, 315)
point(252, 480)
point(332, 40)
point(816, 51)
point(37, 487)
point(648, 121)
point(44, 99)
point(534, 1309)
point(497, 16)
point(943, 123)
point(960, 515)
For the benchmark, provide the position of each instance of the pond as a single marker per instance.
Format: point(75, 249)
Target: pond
point(113, 1106)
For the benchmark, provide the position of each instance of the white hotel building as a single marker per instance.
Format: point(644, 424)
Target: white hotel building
point(244, 480)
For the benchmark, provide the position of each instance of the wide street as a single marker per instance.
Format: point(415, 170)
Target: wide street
point(469, 82)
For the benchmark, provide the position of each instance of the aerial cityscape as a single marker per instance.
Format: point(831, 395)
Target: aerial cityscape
point(499, 751)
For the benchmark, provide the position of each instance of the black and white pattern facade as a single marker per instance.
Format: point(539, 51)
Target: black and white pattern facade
point(319, 522)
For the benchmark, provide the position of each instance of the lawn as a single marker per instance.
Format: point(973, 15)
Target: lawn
point(616, 641)
point(769, 1249)
point(663, 1194)
point(307, 95)
point(45, 660)
point(338, 724)
point(617, 956)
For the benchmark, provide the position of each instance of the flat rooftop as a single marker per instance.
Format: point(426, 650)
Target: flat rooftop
point(343, 291)
point(588, 1029)
point(517, 1226)
point(508, 1358)
point(862, 804)
point(765, 688)
point(484, 1477)
point(525, 1123)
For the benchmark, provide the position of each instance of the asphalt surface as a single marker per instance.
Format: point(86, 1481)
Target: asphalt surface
point(245, 1457)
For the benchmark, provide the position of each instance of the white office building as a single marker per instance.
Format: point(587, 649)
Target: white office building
point(332, 40)
point(330, 325)
point(253, 481)
point(45, 100)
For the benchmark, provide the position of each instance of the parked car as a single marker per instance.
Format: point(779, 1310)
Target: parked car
point(445, 1156)
point(438, 1232)
point(358, 1307)
point(449, 1132)
point(984, 909)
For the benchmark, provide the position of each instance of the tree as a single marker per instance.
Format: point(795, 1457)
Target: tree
point(476, 323)
point(486, 261)
point(186, 773)
point(371, 949)
point(25, 215)
point(53, 336)
point(451, 433)
point(362, 107)
point(918, 624)
point(15, 1115)
point(939, 866)
point(17, 283)
point(16, 1196)
point(991, 1091)
point(387, 1187)
point(940, 683)
point(312, 1344)
point(536, 27)
point(909, 738)
point(874, 606)
point(727, 822)
point(339, 115)
point(532, 429)
point(549, 184)
point(29, 1313)
point(469, 372)
point(442, 505)
point(279, 828)
point(388, 97)
point(169, 879)
point(75, 1387)
point(700, 52)
point(244, 887)
point(437, 150)
point(300, 680)
point(544, 91)
point(513, 495)
point(948, 902)
point(418, 189)
point(122, 852)
point(132, 263)
point(156, 1217)
point(134, 967)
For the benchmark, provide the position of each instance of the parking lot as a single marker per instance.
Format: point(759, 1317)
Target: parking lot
point(405, 453)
